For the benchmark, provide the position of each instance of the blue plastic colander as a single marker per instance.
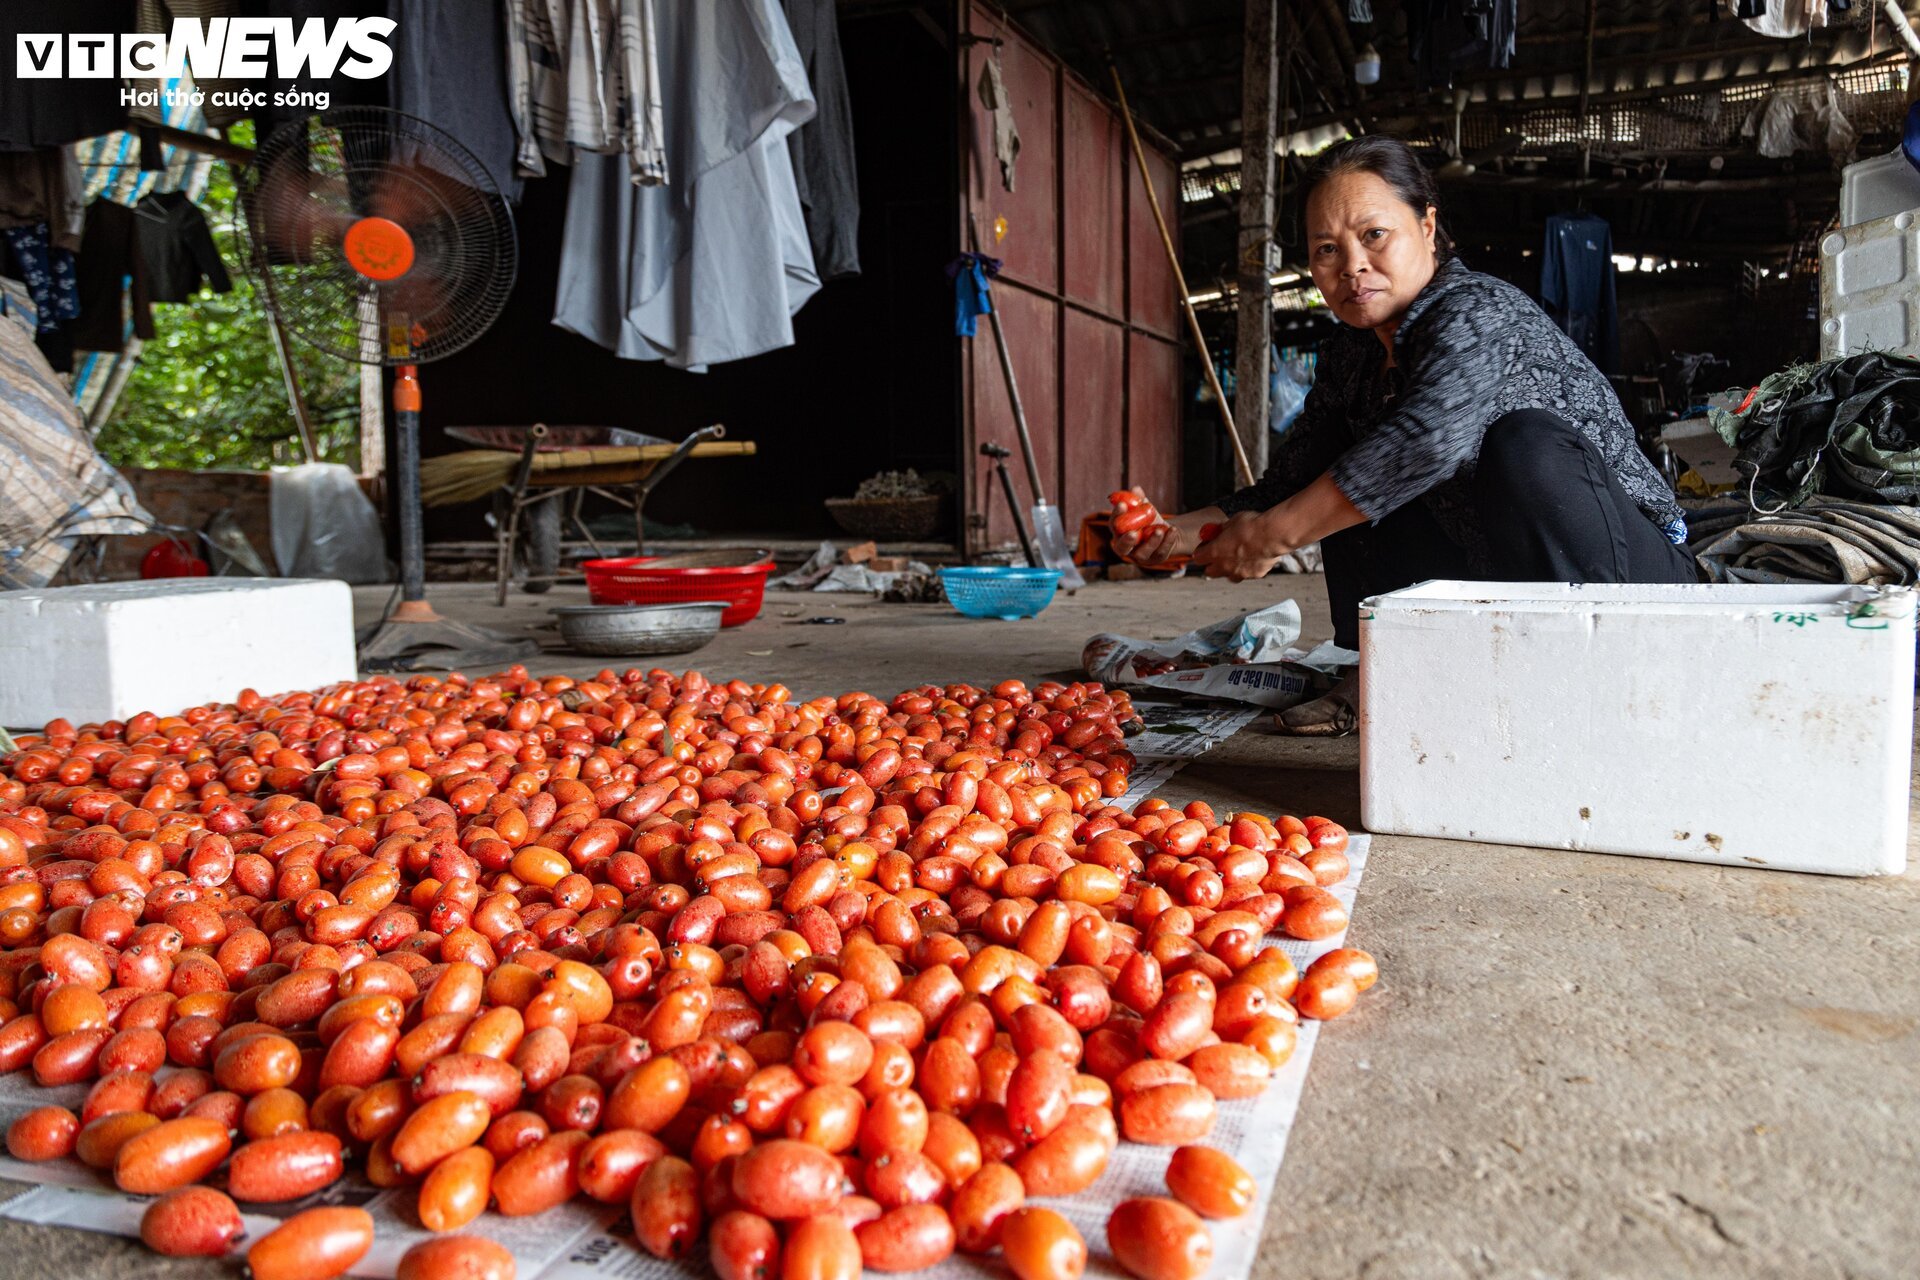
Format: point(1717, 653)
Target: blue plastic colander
point(999, 591)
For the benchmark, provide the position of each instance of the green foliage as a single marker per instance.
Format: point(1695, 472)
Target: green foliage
point(207, 392)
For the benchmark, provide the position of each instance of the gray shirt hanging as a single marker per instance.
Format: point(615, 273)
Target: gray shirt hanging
point(712, 267)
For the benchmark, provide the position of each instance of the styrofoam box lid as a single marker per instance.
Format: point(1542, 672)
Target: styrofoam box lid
point(95, 593)
point(1451, 596)
point(109, 594)
point(1877, 187)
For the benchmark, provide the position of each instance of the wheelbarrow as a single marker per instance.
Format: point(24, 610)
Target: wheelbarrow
point(558, 466)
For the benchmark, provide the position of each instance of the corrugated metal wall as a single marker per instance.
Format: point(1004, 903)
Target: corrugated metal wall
point(1086, 296)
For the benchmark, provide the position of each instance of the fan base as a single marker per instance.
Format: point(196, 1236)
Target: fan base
point(415, 638)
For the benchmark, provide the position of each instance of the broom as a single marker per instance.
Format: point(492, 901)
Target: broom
point(475, 473)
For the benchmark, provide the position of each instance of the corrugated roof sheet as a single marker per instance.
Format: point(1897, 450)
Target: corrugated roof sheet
point(1181, 58)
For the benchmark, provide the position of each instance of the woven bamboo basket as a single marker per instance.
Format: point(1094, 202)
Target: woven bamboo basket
point(894, 519)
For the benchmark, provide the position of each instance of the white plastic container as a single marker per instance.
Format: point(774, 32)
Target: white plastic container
point(105, 652)
point(1878, 188)
point(1870, 287)
point(1754, 726)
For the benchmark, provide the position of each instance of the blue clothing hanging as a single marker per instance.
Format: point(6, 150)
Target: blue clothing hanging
point(972, 298)
point(1576, 285)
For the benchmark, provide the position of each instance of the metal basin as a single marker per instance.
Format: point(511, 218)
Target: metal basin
point(638, 630)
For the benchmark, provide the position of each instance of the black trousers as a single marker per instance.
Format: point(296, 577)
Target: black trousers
point(1551, 510)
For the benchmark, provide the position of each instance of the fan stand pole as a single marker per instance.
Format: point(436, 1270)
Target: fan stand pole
point(415, 637)
point(413, 605)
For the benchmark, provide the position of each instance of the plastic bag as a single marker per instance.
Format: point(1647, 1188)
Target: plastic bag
point(1778, 139)
point(323, 525)
point(1835, 128)
point(1287, 393)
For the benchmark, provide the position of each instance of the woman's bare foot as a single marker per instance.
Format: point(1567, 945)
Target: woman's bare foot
point(1331, 715)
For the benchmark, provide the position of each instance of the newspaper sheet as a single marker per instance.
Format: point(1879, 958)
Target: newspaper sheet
point(586, 1241)
point(1250, 657)
point(1177, 734)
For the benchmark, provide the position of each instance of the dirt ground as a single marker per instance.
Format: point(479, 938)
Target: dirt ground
point(1574, 1065)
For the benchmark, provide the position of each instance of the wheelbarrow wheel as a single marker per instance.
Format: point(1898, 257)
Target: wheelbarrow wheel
point(540, 545)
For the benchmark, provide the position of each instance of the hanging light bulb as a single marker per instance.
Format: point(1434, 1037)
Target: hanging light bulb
point(1366, 65)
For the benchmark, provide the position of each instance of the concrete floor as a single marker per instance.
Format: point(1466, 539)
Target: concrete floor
point(1573, 1066)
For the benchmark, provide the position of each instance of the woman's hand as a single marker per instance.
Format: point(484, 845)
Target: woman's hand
point(1246, 547)
point(1160, 540)
point(1251, 543)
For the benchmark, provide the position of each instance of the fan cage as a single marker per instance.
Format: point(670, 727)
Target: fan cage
point(313, 178)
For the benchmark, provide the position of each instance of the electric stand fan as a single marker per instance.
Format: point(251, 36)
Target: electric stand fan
point(378, 238)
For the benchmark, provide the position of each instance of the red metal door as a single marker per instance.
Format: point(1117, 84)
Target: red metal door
point(1093, 203)
point(1154, 418)
point(1085, 292)
point(1031, 248)
point(1093, 414)
point(1153, 299)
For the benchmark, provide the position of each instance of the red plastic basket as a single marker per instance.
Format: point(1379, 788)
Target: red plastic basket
point(739, 579)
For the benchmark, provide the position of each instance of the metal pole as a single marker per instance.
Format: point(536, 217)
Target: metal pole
point(281, 346)
point(406, 477)
point(646, 483)
point(1259, 114)
point(1013, 385)
point(294, 398)
point(1586, 91)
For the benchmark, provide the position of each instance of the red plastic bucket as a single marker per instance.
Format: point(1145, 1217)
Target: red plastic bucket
point(736, 578)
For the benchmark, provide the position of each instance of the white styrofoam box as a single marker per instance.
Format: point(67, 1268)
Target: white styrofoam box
point(105, 652)
point(1756, 726)
point(1870, 288)
point(1877, 188)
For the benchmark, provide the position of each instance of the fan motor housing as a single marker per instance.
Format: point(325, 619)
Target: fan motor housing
point(378, 248)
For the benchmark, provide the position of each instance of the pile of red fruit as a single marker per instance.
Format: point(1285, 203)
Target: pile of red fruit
point(824, 985)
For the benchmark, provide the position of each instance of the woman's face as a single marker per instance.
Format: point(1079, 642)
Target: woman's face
point(1370, 253)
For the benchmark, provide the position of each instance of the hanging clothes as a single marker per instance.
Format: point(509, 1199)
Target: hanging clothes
point(284, 106)
point(1445, 37)
point(823, 148)
point(972, 296)
point(584, 76)
point(450, 69)
point(48, 272)
point(48, 112)
point(1784, 19)
point(714, 267)
point(177, 248)
point(1576, 285)
point(109, 256)
point(44, 185)
point(1503, 33)
point(156, 17)
point(1006, 134)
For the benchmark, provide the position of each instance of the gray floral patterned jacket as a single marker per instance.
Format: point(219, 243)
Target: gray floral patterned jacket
point(1470, 350)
